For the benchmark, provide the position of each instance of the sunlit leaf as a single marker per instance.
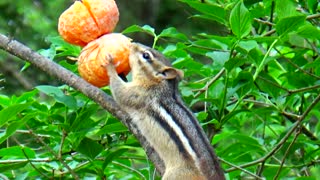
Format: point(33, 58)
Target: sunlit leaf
point(58, 94)
point(12, 127)
point(309, 31)
point(240, 20)
point(17, 152)
point(9, 112)
point(173, 33)
point(135, 28)
point(289, 24)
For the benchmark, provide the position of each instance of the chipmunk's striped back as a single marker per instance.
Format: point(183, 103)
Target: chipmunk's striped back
point(168, 126)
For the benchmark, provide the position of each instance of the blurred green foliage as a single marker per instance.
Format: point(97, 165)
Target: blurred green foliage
point(249, 82)
point(31, 21)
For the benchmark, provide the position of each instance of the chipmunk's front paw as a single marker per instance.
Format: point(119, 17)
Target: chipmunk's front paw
point(109, 66)
point(108, 62)
point(109, 59)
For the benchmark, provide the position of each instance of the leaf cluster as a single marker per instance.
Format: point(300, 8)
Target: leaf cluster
point(255, 92)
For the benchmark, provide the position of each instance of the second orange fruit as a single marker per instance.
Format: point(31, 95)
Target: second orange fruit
point(93, 58)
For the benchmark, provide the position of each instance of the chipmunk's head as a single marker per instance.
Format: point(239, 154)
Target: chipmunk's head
point(151, 64)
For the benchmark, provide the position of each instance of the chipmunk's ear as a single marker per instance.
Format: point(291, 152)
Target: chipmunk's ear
point(171, 73)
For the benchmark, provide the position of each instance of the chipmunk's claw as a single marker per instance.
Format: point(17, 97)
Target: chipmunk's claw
point(108, 60)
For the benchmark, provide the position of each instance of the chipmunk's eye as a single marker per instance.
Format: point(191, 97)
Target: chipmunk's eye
point(147, 56)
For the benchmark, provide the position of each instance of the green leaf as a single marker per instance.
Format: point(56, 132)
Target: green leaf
point(313, 4)
point(210, 44)
point(83, 121)
point(202, 115)
point(113, 154)
point(285, 8)
point(309, 31)
point(22, 176)
point(59, 96)
point(4, 100)
point(26, 96)
point(69, 65)
point(136, 28)
point(240, 20)
point(50, 90)
point(173, 33)
point(25, 66)
point(9, 112)
point(149, 29)
point(12, 166)
point(248, 45)
point(233, 114)
point(60, 48)
point(48, 53)
point(113, 128)
point(243, 83)
point(17, 152)
point(219, 58)
point(234, 63)
point(89, 148)
point(212, 12)
point(289, 24)
point(250, 142)
point(133, 28)
point(266, 87)
point(11, 128)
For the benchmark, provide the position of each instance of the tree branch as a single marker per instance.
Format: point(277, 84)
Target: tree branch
point(97, 95)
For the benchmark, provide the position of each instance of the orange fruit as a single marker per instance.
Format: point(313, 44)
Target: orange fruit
point(87, 20)
point(93, 58)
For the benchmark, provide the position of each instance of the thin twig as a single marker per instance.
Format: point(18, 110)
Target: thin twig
point(304, 89)
point(260, 169)
point(240, 168)
point(264, 22)
point(286, 154)
point(290, 115)
point(269, 23)
point(27, 132)
point(313, 16)
point(272, 9)
point(11, 161)
point(75, 176)
point(63, 137)
point(269, 32)
point(31, 163)
point(206, 87)
point(284, 139)
point(293, 118)
point(296, 66)
point(289, 91)
point(264, 60)
point(273, 84)
point(127, 167)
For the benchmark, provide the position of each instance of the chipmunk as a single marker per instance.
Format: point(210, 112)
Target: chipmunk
point(154, 104)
